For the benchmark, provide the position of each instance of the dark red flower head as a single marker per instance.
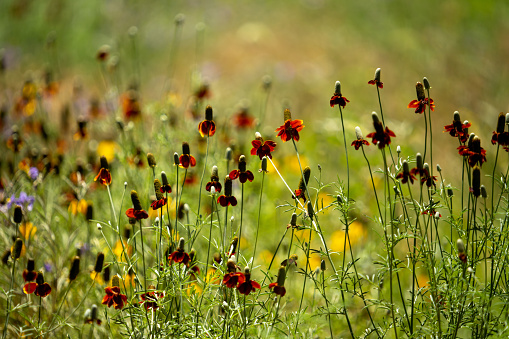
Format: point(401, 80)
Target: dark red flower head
point(422, 101)
point(380, 136)
point(114, 298)
point(214, 181)
point(243, 174)
point(458, 129)
point(337, 98)
point(290, 129)
point(186, 159)
point(261, 148)
point(376, 81)
point(165, 187)
point(179, 256)
point(207, 126)
point(149, 299)
point(104, 175)
point(248, 285)
point(242, 119)
point(475, 153)
point(43, 288)
point(405, 174)
point(500, 136)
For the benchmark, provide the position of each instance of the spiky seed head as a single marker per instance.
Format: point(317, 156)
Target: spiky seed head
point(40, 278)
point(176, 160)
point(106, 274)
point(227, 186)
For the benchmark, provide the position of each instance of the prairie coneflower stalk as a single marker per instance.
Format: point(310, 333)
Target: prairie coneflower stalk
point(278, 287)
point(104, 175)
point(457, 128)
point(113, 296)
point(338, 98)
point(137, 211)
point(359, 141)
point(291, 128)
point(233, 278)
point(180, 256)
point(186, 159)
point(376, 81)
point(248, 285)
point(227, 199)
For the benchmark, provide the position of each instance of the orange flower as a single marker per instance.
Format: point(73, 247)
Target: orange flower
point(186, 159)
point(104, 175)
point(114, 298)
point(261, 148)
point(207, 126)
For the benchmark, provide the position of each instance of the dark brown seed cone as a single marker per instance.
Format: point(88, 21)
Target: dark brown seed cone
point(75, 268)
point(419, 88)
point(151, 160)
point(104, 163)
point(136, 200)
point(157, 188)
point(209, 116)
point(99, 262)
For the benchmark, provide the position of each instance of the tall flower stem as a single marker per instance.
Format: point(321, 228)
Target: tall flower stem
point(258, 221)
point(198, 215)
point(346, 155)
point(143, 258)
point(8, 307)
point(112, 205)
point(60, 306)
point(241, 218)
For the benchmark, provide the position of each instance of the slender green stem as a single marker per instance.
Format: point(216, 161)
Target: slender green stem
point(258, 220)
point(8, 307)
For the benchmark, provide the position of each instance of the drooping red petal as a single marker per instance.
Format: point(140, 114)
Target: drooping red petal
point(234, 174)
point(29, 288)
point(43, 290)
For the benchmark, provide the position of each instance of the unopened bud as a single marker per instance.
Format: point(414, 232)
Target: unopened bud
point(264, 164)
point(398, 149)
point(293, 220)
point(180, 19)
point(228, 155)
point(450, 192)
point(484, 193)
point(106, 274)
point(460, 246)
point(310, 210)
point(439, 169)
point(322, 263)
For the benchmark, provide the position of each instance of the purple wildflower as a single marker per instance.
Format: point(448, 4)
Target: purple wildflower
point(33, 173)
point(26, 201)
